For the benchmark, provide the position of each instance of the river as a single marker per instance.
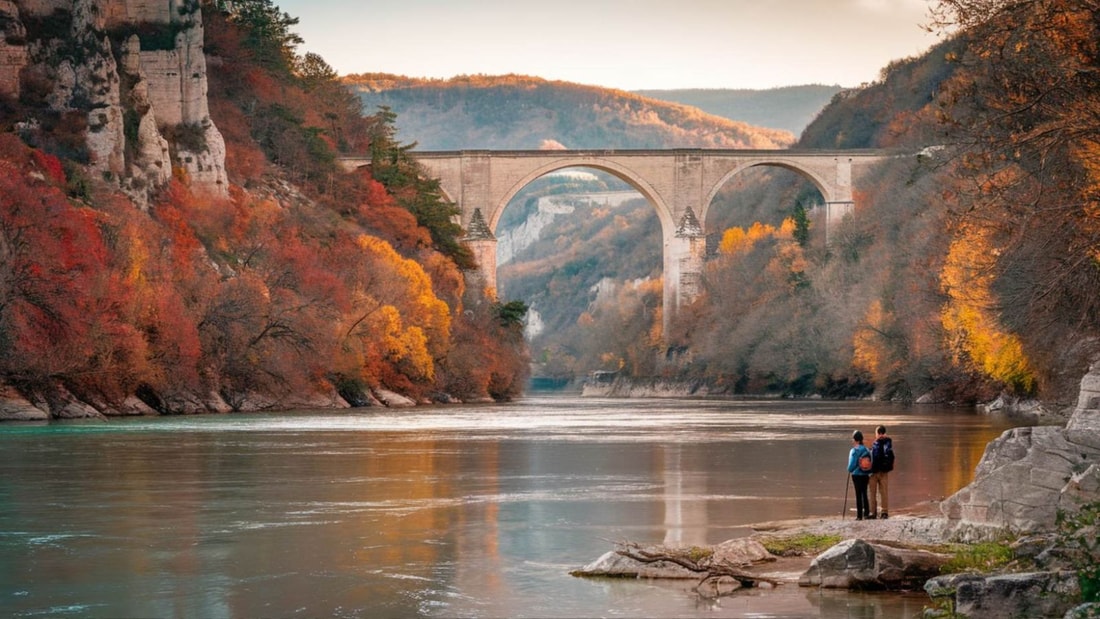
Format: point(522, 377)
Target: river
point(470, 511)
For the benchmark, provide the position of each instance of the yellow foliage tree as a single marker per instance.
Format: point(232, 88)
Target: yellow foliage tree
point(733, 241)
point(736, 240)
point(975, 337)
point(871, 353)
point(407, 346)
point(411, 287)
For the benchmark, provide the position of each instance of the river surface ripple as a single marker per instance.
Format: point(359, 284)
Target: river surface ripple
point(469, 511)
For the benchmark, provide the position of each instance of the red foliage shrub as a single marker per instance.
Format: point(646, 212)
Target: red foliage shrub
point(51, 165)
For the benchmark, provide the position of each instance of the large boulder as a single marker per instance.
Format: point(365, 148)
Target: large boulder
point(859, 564)
point(1032, 595)
point(1084, 426)
point(1028, 475)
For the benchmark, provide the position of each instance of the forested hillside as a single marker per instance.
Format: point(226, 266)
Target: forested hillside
point(521, 112)
point(790, 108)
point(297, 284)
point(969, 267)
point(966, 270)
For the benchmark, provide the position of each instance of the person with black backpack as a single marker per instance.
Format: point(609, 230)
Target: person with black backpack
point(859, 467)
point(882, 462)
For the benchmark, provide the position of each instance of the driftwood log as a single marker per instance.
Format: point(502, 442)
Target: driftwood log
point(711, 574)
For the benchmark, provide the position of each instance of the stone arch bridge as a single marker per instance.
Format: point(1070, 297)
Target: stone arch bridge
point(679, 184)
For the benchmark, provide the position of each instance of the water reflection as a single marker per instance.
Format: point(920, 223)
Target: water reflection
point(467, 512)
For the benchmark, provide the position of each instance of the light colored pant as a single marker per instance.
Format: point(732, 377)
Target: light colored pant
point(880, 483)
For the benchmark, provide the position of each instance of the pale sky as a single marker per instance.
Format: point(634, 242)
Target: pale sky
point(625, 44)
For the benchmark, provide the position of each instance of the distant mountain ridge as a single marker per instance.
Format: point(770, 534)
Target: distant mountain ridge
point(791, 108)
point(522, 112)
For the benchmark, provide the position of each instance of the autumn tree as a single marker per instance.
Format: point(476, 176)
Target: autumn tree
point(975, 336)
point(1024, 108)
point(63, 310)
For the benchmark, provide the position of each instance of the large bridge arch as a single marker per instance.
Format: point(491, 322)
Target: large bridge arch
point(679, 183)
point(632, 178)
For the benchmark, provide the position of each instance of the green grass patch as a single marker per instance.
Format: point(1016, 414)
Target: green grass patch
point(802, 544)
point(698, 553)
point(980, 557)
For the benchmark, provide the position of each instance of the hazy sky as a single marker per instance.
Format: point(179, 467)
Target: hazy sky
point(626, 44)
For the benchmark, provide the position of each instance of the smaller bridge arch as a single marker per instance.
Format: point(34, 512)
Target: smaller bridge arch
point(823, 185)
point(679, 183)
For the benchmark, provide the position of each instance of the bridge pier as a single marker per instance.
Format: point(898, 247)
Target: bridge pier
point(835, 212)
point(685, 253)
point(481, 241)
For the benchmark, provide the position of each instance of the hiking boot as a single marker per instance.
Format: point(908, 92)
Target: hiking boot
point(884, 516)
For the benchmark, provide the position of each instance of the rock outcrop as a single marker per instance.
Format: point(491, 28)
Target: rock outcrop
point(859, 564)
point(134, 70)
point(1028, 475)
point(13, 48)
point(14, 407)
point(1007, 596)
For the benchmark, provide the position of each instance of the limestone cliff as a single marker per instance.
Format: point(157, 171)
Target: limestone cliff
point(13, 49)
point(133, 71)
point(1028, 475)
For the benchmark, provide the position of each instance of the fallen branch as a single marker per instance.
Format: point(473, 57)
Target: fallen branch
point(708, 572)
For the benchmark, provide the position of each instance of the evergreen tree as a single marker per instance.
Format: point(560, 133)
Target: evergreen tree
point(394, 166)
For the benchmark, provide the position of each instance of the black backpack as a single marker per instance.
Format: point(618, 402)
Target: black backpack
point(882, 456)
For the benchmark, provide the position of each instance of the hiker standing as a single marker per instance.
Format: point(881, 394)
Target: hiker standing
point(882, 462)
point(859, 467)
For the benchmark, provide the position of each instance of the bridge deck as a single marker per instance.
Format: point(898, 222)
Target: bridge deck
point(646, 152)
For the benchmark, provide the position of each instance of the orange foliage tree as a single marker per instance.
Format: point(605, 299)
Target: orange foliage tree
point(61, 306)
point(1022, 109)
point(975, 336)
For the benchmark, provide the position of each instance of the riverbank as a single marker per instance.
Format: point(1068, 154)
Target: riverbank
point(920, 526)
point(1026, 410)
point(57, 402)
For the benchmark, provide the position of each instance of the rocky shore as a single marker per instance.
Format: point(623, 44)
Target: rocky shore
point(57, 402)
point(1035, 495)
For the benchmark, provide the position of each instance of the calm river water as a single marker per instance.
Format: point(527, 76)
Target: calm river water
point(472, 511)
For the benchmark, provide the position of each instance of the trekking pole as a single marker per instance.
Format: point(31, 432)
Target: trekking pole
point(847, 482)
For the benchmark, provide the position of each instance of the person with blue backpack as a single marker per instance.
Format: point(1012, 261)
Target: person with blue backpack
point(859, 467)
point(882, 462)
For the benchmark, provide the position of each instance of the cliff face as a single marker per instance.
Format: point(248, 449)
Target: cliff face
point(1028, 475)
point(134, 70)
point(13, 50)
